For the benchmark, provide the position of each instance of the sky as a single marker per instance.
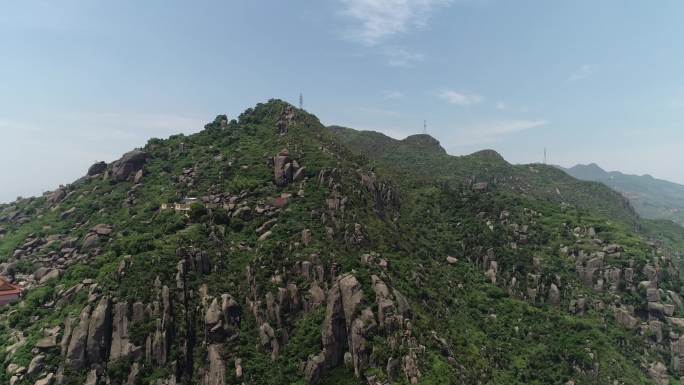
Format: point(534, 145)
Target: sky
point(590, 81)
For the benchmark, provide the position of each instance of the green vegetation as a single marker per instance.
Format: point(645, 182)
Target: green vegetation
point(652, 198)
point(361, 194)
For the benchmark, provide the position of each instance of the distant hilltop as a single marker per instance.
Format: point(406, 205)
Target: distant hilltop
point(652, 198)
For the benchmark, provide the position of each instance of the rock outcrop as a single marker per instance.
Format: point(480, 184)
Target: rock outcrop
point(97, 168)
point(99, 332)
point(76, 352)
point(128, 165)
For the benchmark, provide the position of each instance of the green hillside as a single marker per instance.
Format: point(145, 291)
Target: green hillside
point(420, 158)
point(312, 256)
point(652, 198)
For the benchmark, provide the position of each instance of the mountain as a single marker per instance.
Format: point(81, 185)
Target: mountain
point(420, 157)
point(651, 197)
point(270, 249)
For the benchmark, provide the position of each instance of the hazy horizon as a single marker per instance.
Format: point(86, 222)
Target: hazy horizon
point(600, 83)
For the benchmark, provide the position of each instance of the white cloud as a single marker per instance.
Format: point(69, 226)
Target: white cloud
point(401, 57)
point(460, 98)
point(582, 73)
point(501, 106)
point(489, 132)
point(388, 95)
point(376, 20)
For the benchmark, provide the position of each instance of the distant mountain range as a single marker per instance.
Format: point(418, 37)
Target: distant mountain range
point(652, 198)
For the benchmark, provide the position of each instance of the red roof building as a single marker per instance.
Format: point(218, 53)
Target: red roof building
point(8, 293)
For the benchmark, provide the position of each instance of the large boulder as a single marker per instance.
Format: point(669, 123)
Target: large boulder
point(101, 229)
point(128, 165)
point(56, 196)
point(36, 365)
point(50, 275)
point(97, 168)
point(47, 380)
point(91, 241)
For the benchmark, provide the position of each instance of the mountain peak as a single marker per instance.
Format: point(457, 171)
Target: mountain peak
point(488, 154)
point(426, 142)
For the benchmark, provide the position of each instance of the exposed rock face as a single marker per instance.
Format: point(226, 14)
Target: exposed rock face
point(347, 331)
point(315, 367)
point(286, 118)
point(282, 168)
point(47, 380)
point(120, 346)
point(90, 241)
point(158, 345)
point(75, 356)
point(64, 343)
point(56, 196)
point(624, 318)
point(138, 177)
point(658, 373)
point(47, 342)
point(91, 378)
point(222, 319)
point(51, 274)
point(268, 340)
point(129, 164)
point(554, 294)
point(99, 332)
point(410, 368)
point(286, 170)
point(306, 237)
point(36, 365)
point(350, 290)
point(133, 374)
point(102, 229)
point(216, 373)
point(363, 326)
point(97, 168)
point(334, 331)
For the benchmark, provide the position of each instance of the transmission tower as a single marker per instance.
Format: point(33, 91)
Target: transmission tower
point(301, 101)
point(425, 127)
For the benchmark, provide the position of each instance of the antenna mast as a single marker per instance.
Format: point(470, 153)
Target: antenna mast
point(301, 101)
point(425, 127)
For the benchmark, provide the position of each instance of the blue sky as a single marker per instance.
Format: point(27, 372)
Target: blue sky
point(592, 81)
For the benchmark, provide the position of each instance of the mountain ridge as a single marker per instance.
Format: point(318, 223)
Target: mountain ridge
point(269, 249)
